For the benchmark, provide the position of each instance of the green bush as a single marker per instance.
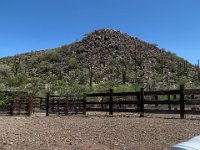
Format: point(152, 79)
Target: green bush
point(17, 81)
point(72, 63)
point(5, 71)
point(4, 99)
point(127, 88)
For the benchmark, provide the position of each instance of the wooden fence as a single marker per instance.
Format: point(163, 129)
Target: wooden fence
point(16, 102)
point(144, 99)
point(64, 105)
point(181, 101)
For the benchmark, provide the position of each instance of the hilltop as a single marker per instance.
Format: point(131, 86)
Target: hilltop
point(103, 58)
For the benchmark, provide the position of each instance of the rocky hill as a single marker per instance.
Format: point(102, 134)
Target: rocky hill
point(105, 56)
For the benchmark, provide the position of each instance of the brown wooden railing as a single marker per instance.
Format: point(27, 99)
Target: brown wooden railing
point(142, 102)
point(180, 101)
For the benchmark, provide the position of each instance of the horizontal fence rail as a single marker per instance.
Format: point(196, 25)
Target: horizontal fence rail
point(174, 98)
point(16, 102)
point(180, 101)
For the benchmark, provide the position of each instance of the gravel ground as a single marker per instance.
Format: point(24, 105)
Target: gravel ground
point(96, 132)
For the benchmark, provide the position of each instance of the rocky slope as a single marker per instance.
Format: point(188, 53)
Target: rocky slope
point(107, 55)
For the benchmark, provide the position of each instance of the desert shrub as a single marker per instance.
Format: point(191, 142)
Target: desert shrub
point(77, 90)
point(45, 66)
point(140, 61)
point(103, 87)
point(55, 56)
point(127, 88)
point(82, 56)
point(4, 99)
point(5, 71)
point(82, 76)
point(17, 80)
point(172, 67)
point(98, 76)
point(35, 85)
point(72, 63)
point(80, 49)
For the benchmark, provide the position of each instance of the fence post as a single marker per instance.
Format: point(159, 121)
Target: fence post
point(142, 102)
point(102, 107)
point(58, 105)
point(20, 105)
point(138, 101)
point(182, 103)
point(53, 105)
point(30, 104)
point(192, 96)
point(84, 104)
point(47, 104)
point(169, 105)
point(156, 98)
point(174, 97)
point(66, 105)
point(40, 104)
point(111, 102)
point(12, 107)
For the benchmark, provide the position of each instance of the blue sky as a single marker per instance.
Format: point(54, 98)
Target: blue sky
point(29, 25)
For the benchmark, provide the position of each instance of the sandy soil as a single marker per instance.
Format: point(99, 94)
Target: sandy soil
point(96, 132)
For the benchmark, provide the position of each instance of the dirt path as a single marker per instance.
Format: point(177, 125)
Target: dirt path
point(95, 132)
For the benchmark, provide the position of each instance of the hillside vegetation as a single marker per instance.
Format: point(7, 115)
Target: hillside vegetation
point(101, 60)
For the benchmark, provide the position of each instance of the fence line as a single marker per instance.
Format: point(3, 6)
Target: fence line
point(140, 102)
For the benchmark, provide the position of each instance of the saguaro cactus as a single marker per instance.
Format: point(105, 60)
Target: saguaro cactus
point(185, 66)
point(124, 74)
point(91, 74)
point(16, 66)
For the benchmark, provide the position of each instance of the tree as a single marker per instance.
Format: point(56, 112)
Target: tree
point(5, 71)
point(15, 81)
